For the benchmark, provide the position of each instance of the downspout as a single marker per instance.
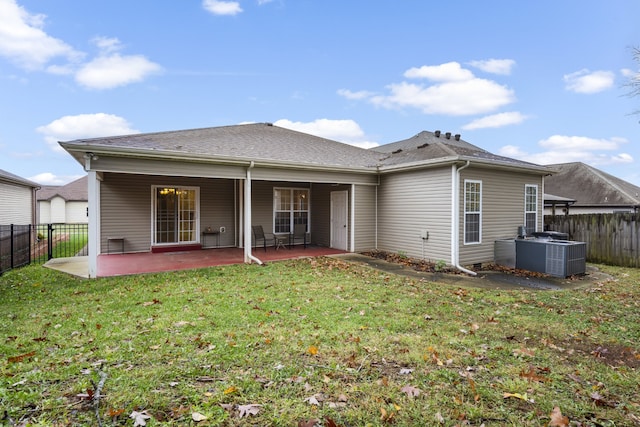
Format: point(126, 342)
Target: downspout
point(248, 256)
point(456, 222)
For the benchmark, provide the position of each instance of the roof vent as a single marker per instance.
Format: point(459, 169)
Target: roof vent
point(457, 136)
point(447, 135)
point(437, 134)
point(397, 151)
point(268, 124)
point(426, 144)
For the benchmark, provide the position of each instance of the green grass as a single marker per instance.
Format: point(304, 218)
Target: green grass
point(314, 339)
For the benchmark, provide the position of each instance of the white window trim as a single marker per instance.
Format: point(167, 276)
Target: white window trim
point(535, 212)
point(153, 215)
point(464, 214)
point(308, 210)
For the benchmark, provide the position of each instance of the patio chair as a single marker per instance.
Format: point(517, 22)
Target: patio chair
point(258, 234)
point(300, 232)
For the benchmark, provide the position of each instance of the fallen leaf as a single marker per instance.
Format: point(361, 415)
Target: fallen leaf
point(250, 409)
point(312, 350)
point(115, 412)
point(439, 418)
point(230, 390)
point(517, 396)
point(557, 419)
point(197, 417)
point(533, 376)
point(411, 391)
point(309, 423)
point(405, 371)
point(20, 358)
point(139, 418)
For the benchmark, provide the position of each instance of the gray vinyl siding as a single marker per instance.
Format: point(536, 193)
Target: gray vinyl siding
point(409, 202)
point(274, 174)
point(167, 168)
point(503, 199)
point(365, 221)
point(16, 206)
point(262, 203)
point(321, 212)
point(126, 208)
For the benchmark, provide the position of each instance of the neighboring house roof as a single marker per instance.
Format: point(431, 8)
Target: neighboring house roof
point(279, 147)
point(15, 179)
point(75, 191)
point(552, 199)
point(430, 146)
point(589, 186)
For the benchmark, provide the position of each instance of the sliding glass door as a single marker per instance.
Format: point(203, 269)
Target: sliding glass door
point(175, 215)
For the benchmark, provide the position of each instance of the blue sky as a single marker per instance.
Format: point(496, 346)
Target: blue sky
point(539, 80)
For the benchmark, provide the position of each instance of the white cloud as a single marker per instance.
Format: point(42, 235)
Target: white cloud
point(363, 94)
point(222, 7)
point(563, 149)
point(47, 178)
point(110, 69)
point(456, 92)
point(451, 71)
point(108, 72)
point(24, 41)
point(496, 121)
point(495, 66)
point(84, 126)
point(585, 81)
point(459, 98)
point(347, 131)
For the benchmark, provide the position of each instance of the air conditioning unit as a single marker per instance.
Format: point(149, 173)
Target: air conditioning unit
point(560, 258)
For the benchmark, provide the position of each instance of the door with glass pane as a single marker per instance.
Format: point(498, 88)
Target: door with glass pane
point(175, 215)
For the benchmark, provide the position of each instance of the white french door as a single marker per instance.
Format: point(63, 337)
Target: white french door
point(175, 215)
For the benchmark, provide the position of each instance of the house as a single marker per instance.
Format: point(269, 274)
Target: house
point(592, 190)
point(432, 196)
point(63, 204)
point(18, 199)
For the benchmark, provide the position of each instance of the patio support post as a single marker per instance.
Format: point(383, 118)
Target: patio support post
point(94, 220)
point(248, 257)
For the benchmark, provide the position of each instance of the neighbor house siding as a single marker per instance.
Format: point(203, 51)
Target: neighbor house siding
point(76, 213)
point(365, 218)
point(410, 202)
point(16, 206)
point(127, 208)
point(58, 210)
point(503, 205)
point(44, 212)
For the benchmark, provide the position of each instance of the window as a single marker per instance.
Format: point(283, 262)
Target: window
point(290, 206)
point(530, 208)
point(175, 214)
point(472, 211)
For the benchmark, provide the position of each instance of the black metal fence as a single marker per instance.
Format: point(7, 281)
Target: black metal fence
point(21, 245)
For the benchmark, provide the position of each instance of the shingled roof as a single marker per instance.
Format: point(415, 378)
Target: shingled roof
point(249, 142)
point(436, 145)
point(276, 146)
point(589, 186)
point(75, 191)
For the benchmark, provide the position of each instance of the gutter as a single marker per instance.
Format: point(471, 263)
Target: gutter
point(456, 222)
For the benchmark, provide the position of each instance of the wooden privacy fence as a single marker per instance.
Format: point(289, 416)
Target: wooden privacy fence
point(611, 238)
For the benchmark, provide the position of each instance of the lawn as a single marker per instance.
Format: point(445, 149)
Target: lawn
point(314, 342)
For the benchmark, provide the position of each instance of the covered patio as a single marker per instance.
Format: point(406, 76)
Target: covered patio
point(110, 265)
